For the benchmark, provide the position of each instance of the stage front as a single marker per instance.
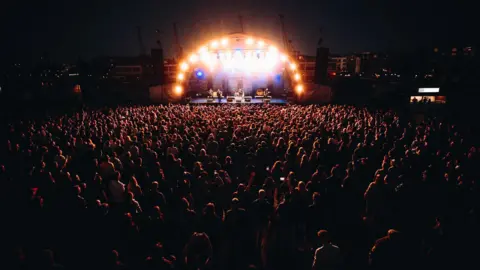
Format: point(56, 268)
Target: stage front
point(237, 101)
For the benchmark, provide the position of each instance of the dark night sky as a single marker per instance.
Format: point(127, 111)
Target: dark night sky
point(69, 29)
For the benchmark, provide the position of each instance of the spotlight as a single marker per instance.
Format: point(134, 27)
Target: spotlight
point(184, 66)
point(293, 66)
point(224, 41)
point(260, 44)
point(202, 49)
point(273, 48)
point(200, 74)
point(297, 77)
point(299, 89)
point(249, 41)
point(283, 58)
point(214, 44)
point(193, 58)
point(181, 77)
point(178, 90)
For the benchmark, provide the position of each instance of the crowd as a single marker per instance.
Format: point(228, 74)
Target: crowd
point(238, 187)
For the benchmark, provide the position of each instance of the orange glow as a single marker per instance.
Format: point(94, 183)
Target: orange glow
point(184, 66)
point(178, 90)
point(299, 89)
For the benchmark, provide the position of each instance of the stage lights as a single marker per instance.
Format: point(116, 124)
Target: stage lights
point(255, 56)
point(184, 66)
point(299, 89)
point(193, 58)
point(178, 89)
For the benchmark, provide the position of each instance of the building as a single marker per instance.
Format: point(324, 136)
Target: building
point(337, 63)
point(170, 70)
point(306, 66)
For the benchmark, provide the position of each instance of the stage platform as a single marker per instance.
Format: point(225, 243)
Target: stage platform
point(224, 101)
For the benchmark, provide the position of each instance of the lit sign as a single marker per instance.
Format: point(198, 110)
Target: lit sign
point(428, 90)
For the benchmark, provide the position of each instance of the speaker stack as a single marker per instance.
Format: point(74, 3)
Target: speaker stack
point(321, 65)
point(230, 99)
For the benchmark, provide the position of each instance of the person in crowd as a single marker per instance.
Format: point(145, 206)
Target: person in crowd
point(327, 256)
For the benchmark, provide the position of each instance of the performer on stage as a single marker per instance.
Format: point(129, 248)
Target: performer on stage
point(266, 93)
point(210, 92)
point(219, 95)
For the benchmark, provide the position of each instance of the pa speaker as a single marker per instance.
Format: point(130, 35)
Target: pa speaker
point(248, 99)
point(158, 65)
point(230, 99)
point(321, 65)
point(209, 99)
point(266, 100)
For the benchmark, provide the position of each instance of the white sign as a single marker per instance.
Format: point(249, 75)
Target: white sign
point(428, 90)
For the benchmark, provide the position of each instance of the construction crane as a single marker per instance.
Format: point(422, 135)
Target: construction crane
point(240, 19)
point(287, 43)
point(320, 40)
point(159, 43)
point(178, 48)
point(143, 51)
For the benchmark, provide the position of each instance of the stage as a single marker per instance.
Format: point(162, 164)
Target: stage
point(224, 101)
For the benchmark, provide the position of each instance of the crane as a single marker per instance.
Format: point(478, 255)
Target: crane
point(140, 41)
point(287, 43)
point(178, 48)
point(240, 19)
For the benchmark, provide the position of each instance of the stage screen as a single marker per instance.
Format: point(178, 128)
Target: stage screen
point(428, 90)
